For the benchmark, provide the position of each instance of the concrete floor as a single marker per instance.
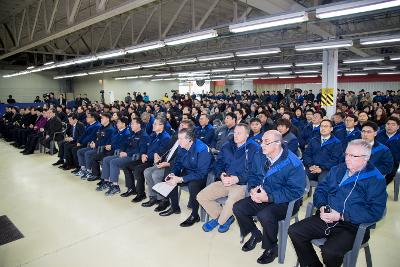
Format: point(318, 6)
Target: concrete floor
point(67, 223)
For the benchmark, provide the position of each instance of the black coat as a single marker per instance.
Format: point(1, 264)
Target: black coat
point(54, 125)
point(79, 131)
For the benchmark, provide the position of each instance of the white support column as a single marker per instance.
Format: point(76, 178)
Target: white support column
point(329, 76)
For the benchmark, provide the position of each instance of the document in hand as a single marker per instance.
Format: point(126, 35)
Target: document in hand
point(163, 188)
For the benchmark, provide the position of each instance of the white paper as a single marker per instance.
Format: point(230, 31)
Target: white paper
point(163, 188)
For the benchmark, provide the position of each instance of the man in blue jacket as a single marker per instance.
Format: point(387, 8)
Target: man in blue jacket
point(89, 136)
point(283, 126)
point(190, 169)
point(233, 162)
point(103, 137)
point(276, 178)
point(136, 147)
point(381, 157)
point(205, 132)
point(350, 132)
point(322, 153)
point(311, 129)
point(256, 133)
point(119, 142)
point(390, 137)
point(352, 193)
point(158, 143)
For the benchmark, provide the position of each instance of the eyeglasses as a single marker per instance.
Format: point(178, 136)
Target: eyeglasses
point(267, 144)
point(354, 156)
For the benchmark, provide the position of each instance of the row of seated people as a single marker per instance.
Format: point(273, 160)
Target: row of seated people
point(271, 174)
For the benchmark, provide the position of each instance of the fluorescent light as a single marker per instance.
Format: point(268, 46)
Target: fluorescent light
point(395, 58)
point(120, 78)
point(134, 67)
point(308, 76)
point(157, 80)
point(362, 60)
point(280, 72)
point(258, 52)
point(110, 54)
point(85, 60)
point(234, 79)
point(36, 70)
point(257, 74)
point(65, 63)
point(132, 77)
point(248, 68)
point(268, 22)
point(286, 77)
point(191, 37)
point(251, 78)
point(307, 71)
point(181, 61)
point(277, 66)
point(306, 64)
point(324, 45)
point(95, 72)
point(144, 47)
point(222, 70)
point(215, 57)
point(80, 74)
point(380, 68)
point(269, 78)
point(356, 74)
point(380, 39)
point(163, 75)
point(219, 76)
point(169, 79)
point(111, 70)
point(357, 7)
point(48, 63)
point(58, 77)
point(154, 64)
point(30, 67)
point(145, 76)
point(389, 73)
point(236, 75)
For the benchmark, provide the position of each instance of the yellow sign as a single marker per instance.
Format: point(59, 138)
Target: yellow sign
point(327, 97)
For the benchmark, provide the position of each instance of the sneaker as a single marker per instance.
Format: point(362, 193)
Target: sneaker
point(80, 173)
point(210, 225)
point(103, 186)
point(84, 175)
point(113, 189)
point(225, 227)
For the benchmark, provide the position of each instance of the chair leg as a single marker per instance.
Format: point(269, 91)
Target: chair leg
point(346, 259)
point(368, 257)
point(203, 215)
point(51, 147)
point(282, 242)
point(396, 183)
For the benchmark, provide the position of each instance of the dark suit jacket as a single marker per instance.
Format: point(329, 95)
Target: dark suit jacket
point(53, 126)
point(79, 131)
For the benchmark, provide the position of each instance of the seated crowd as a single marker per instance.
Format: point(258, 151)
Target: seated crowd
point(253, 151)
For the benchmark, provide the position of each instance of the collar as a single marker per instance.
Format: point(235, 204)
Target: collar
point(326, 138)
point(276, 158)
point(350, 130)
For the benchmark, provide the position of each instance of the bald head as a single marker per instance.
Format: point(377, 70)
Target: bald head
point(272, 143)
point(273, 134)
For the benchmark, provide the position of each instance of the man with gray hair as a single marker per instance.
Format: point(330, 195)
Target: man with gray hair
point(352, 193)
point(277, 177)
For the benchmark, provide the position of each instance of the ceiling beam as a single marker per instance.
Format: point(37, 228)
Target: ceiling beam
point(129, 5)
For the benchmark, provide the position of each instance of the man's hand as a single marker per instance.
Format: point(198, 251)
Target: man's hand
point(229, 180)
point(78, 144)
point(162, 165)
point(123, 154)
point(108, 147)
point(92, 145)
point(31, 126)
point(157, 158)
point(172, 179)
point(144, 158)
point(330, 217)
point(258, 195)
point(47, 136)
point(41, 130)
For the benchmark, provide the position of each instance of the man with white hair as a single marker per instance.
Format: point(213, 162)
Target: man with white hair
point(277, 177)
point(352, 193)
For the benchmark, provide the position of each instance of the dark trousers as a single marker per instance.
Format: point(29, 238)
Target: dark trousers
point(134, 171)
point(67, 153)
point(389, 177)
point(74, 152)
point(96, 163)
point(23, 136)
point(32, 141)
point(195, 187)
point(61, 149)
point(339, 241)
point(268, 214)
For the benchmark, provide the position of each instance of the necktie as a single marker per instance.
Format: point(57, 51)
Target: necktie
point(73, 131)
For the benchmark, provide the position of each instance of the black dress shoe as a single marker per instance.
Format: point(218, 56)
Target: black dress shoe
point(150, 203)
point(164, 204)
point(59, 162)
point(128, 193)
point(23, 151)
point(268, 256)
point(170, 211)
point(27, 153)
point(76, 170)
point(138, 198)
point(252, 242)
point(190, 221)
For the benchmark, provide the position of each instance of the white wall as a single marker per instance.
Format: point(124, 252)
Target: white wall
point(90, 85)
point(24, 88)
